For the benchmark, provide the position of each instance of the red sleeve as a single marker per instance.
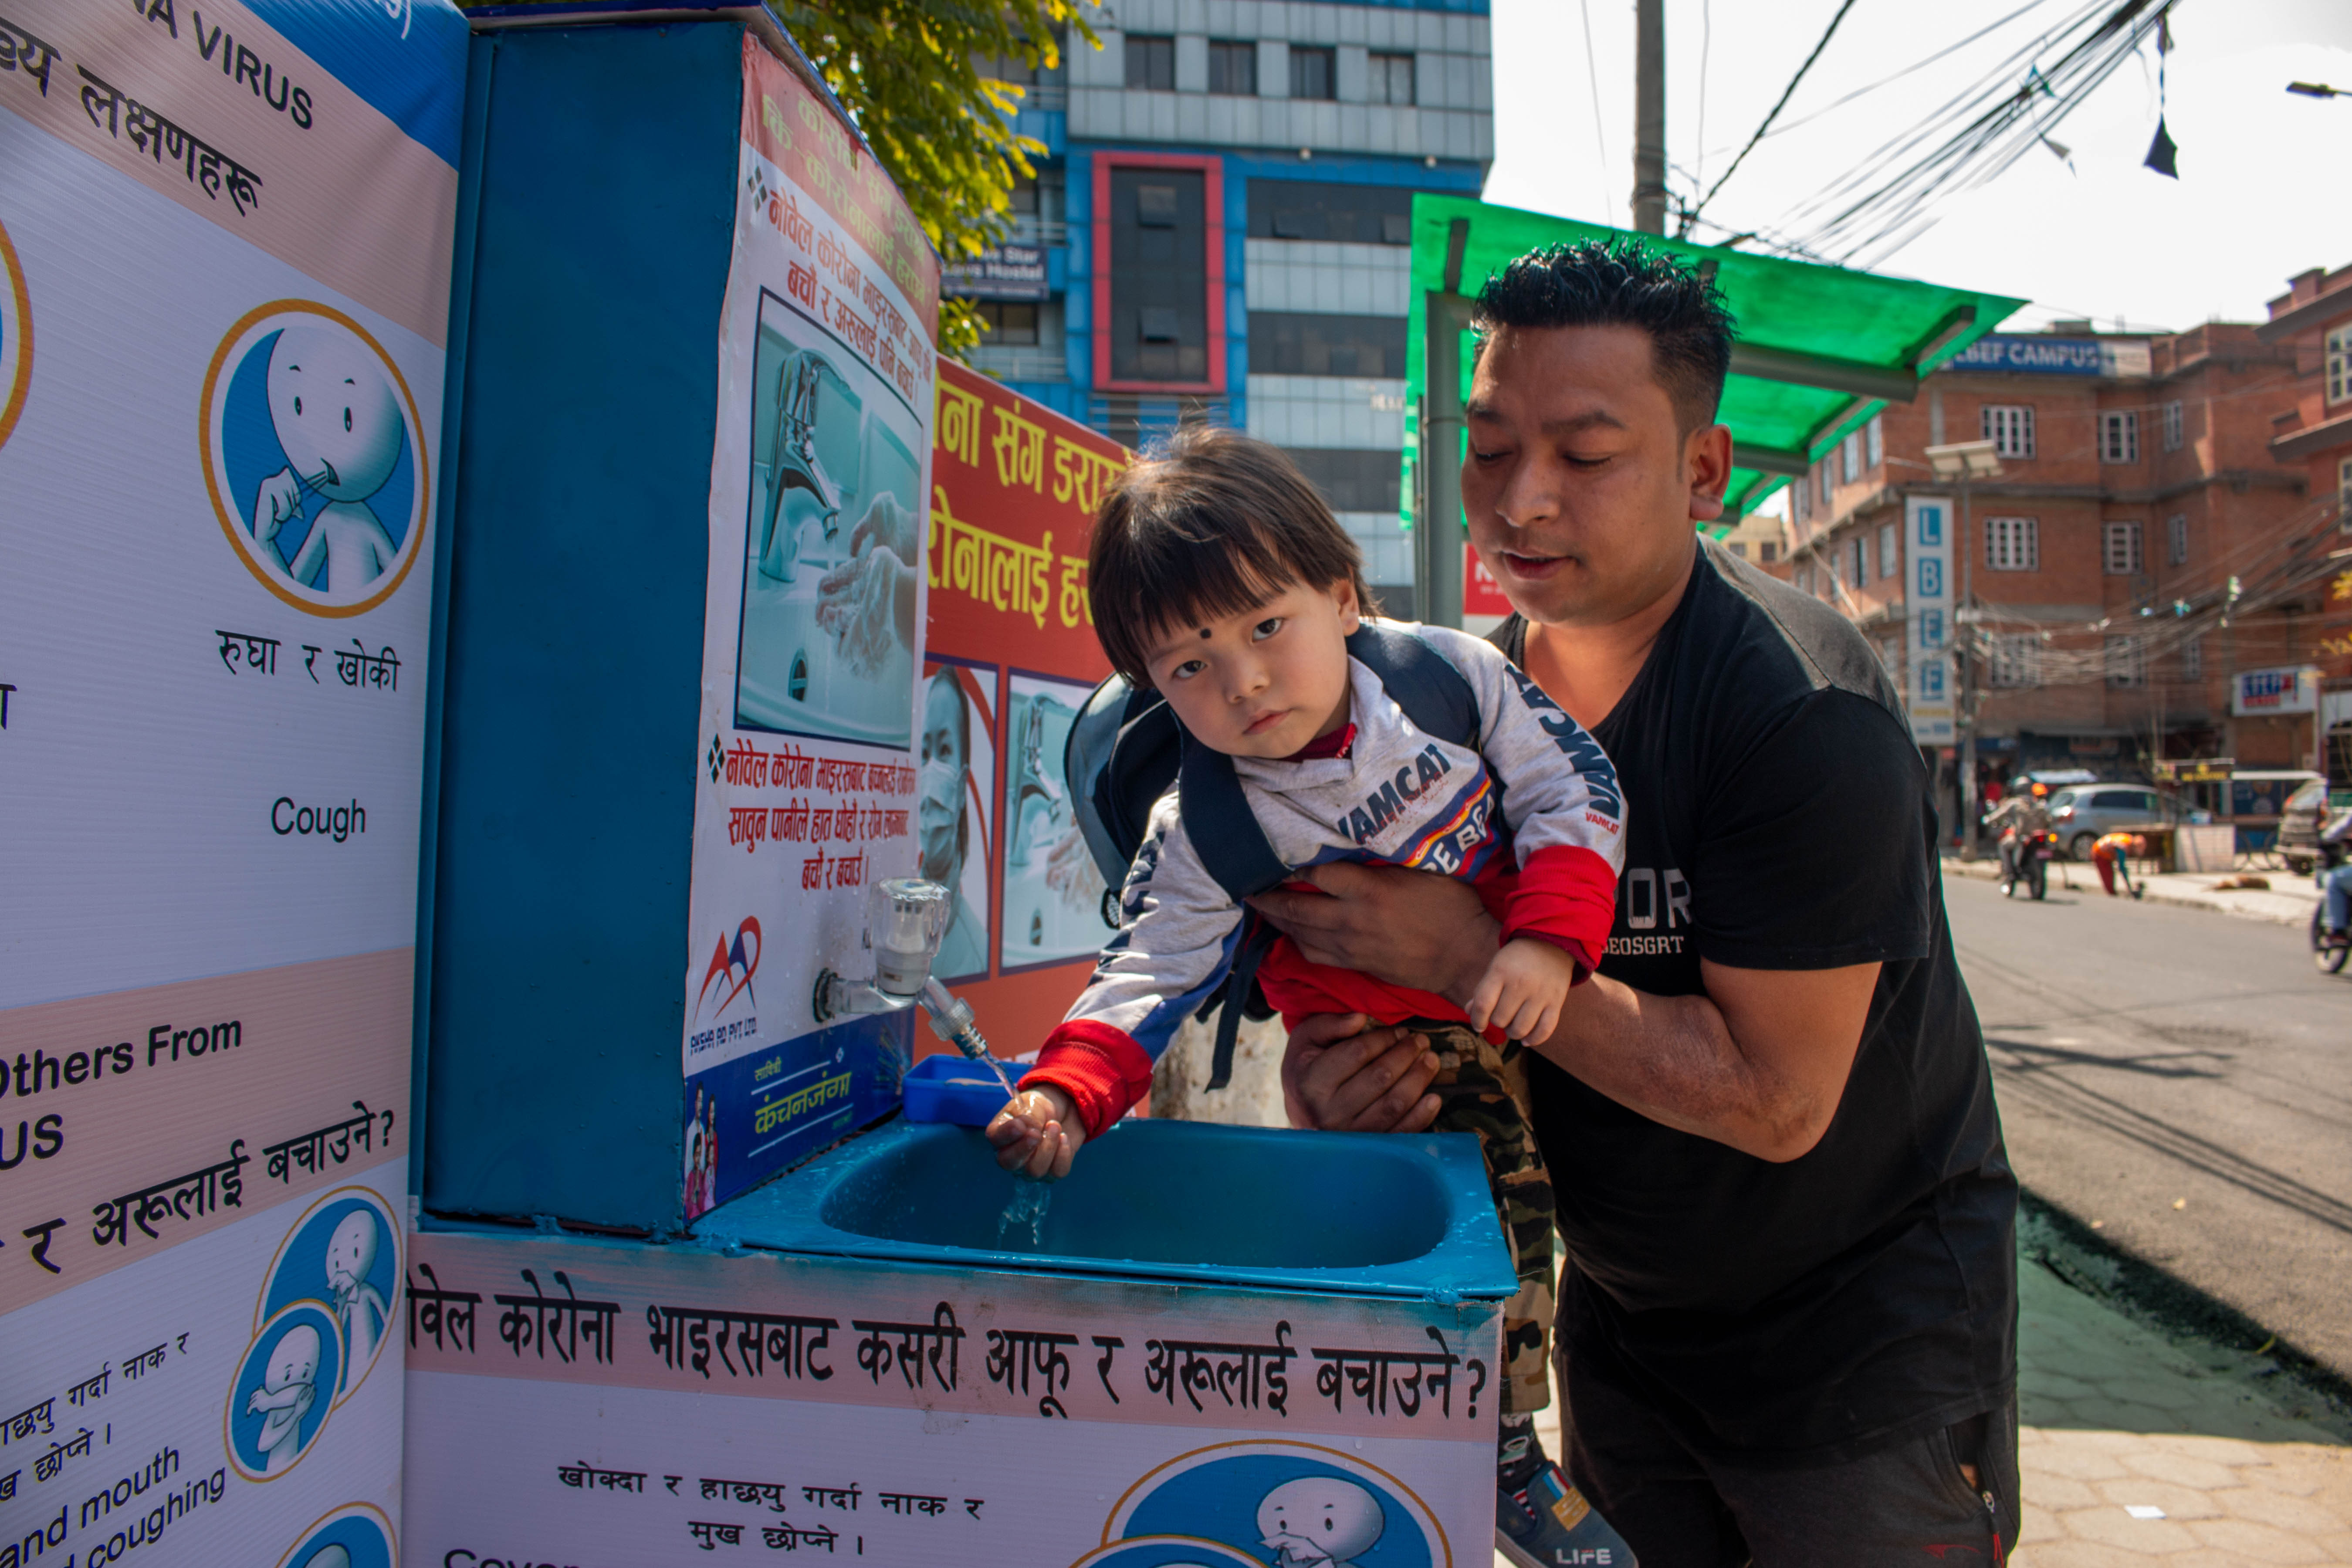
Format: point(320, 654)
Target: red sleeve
point(1566, 896)
point(1098, 1067)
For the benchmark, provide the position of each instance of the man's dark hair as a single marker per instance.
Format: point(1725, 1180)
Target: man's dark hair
point(1212, 523)
point(1622, 283)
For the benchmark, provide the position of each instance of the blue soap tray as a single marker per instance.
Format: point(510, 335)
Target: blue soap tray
point(946, 1086)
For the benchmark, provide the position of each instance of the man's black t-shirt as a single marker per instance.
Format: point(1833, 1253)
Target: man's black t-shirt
point(1777, 816)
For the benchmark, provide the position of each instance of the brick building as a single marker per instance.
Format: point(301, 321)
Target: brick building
point(2313, 320)
point(2142, 548)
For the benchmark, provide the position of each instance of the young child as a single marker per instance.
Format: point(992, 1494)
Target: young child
point(1221, 579)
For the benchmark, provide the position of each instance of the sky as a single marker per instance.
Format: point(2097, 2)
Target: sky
point(2259, 196)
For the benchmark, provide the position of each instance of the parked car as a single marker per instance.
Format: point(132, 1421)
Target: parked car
point(2081, 813)
point(2300, 819)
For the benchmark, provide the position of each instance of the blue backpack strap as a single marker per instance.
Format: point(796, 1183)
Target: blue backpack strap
point(1421, 681)
point(1234, 849)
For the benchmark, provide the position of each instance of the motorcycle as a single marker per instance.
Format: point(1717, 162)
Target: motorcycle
point(2327, 955)
point(2030, 864)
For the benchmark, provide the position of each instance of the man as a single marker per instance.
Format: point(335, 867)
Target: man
point(1786, 1325)
point(2027, 812)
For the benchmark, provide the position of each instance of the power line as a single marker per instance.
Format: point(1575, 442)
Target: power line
point(1786, 94)
point(1592, 75)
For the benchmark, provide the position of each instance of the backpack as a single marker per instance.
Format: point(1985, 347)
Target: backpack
point(1125, 747)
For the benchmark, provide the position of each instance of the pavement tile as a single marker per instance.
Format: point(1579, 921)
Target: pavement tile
point(2176, 1501)
point(2283, 1509)
point(2263, 1542)
point(2165, 1464)
point(2112, 1526)
point(2051, 1490)
point(2079, 1554)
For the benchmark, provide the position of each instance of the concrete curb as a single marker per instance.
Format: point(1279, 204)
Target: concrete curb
point(2288, 901)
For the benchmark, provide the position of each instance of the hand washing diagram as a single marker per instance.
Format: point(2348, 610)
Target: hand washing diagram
point(1053, 894)
point(833, 541)
point(955, 787)
point(313, 457)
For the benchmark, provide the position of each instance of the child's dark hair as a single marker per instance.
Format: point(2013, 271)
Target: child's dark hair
point(1213, 523)
point(1622, 283)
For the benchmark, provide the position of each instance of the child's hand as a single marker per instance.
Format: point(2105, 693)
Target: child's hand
point(1037, 1134)
point(1523, 990)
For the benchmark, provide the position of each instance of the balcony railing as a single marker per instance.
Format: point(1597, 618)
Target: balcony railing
point(1020, 362)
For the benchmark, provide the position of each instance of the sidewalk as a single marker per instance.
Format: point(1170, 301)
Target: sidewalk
point(2288, 900)
point(2137, 1450)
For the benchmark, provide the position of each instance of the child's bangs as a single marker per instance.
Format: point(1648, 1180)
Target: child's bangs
point(1192, 568)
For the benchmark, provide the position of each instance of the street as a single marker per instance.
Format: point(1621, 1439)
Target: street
point(2178, 1078)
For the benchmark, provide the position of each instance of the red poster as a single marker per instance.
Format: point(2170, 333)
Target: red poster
point(1009, 657)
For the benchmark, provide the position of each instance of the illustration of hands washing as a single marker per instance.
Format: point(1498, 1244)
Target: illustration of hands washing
point(867, 601)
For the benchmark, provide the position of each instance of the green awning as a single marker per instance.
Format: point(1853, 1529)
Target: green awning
point(1820, 349)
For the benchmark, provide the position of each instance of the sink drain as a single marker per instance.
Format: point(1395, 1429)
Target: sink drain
point(797, 683)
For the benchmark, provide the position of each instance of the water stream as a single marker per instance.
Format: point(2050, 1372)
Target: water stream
point(1027, 1210)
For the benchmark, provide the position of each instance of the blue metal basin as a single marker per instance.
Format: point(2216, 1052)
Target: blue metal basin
point(1347, 1212)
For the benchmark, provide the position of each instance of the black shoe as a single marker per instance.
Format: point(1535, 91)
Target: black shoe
point(1549, 1525)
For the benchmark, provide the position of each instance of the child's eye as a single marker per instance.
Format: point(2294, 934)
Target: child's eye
point(1188, 669)
point(1266, 628)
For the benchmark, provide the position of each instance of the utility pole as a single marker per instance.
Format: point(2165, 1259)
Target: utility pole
point(1960, 463)
point(1650, 116)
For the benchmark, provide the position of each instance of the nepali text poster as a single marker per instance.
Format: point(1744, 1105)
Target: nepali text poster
point(225, 236)
point(812, 651)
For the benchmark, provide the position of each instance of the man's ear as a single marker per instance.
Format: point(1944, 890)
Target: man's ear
point(1707, 459)
point(1352, 612)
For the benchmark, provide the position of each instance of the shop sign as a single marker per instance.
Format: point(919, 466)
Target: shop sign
point(1000, 272)
point(2289, 689)
point(2016, 353)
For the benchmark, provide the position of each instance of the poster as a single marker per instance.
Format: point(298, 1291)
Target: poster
point(629, 1404)
point(1014, 489)
point(221, 359)
point(1930, 691)
point(804, 794)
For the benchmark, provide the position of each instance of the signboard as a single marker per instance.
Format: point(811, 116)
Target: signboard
point(1011, 658)
point(1930, 691)
point(227, 247)
point(2293, 688)
point(1481, 595)
point(1000, 272)
point(2034, 354)
point(626, 1404)
point(805, 791)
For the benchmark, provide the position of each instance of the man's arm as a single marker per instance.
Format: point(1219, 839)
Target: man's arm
point(1759, 1063)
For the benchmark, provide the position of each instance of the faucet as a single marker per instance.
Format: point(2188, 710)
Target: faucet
point(910, 916)
point(794, 467)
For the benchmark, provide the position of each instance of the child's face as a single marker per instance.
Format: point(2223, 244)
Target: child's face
point(1267, 681)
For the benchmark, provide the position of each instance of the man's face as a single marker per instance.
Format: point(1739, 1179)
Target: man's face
point(1581, 486)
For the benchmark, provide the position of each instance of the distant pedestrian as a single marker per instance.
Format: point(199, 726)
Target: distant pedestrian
point(2111, 856)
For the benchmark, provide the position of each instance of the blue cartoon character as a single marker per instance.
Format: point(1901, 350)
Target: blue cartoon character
point(290, 1386)
point(339, 423)
point(1319, 1522)
point(360, 1306)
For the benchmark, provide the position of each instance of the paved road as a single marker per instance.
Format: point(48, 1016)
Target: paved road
point(2145, 1055)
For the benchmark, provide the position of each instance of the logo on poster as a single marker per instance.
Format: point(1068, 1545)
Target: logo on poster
point(733, 964)
point(314, 457)
point(15, 338)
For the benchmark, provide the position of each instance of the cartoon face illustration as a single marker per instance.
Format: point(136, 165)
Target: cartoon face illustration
point(1319, 1520)
point(296, 1359)
point(350, 1252)
point(332, 1555)
point(289, 1389)
point(335, 416)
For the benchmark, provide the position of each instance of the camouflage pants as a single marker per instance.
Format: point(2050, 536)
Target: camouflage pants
point(1484, 1090)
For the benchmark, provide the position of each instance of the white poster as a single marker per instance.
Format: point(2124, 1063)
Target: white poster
point(1929, 691)
point(598, 1404)
point(805, 792)
point(226, 239)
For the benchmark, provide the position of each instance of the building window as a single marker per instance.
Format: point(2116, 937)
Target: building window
point(1769, 551)
point(1314, 73)
point(1388, 78)
point(2014, 659)
point(1353, 480)
point(1233, 68)
point(1011, 324)
point(1849, 458)
point(2344, 496)
point(2120, 549)
point(2009, 427)
point(1159, 276)
point(2339, 364)
point(1890, 659)
point(2192, 659)
point(1310, 209)
point(2119, 437)
point(2125, 665)
point(2013, 543)
point(1874, 440)
point(1801, 505)
point(1886, 562)
point(2176, 426)
point(1805, 578)
point(1151, 62)
point(1284, 343)
point(1858, 572)
point(2176, 530)
point(1825, 481)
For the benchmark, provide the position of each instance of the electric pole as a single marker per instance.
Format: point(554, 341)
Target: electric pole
point(1650, 116)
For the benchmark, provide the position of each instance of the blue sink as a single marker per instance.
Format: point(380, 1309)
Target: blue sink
point(1357, 1214)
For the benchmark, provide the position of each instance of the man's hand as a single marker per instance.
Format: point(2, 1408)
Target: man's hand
point(1037, 1134)
point(1408, 928)
point(1522, 990)
point(1338, 1076)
